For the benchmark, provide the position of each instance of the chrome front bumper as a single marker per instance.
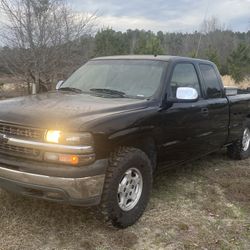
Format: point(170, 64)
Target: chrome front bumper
point(48, 146)
point(77, 191)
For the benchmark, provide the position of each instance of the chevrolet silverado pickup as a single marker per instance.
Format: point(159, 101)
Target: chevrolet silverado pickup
point(99, 137)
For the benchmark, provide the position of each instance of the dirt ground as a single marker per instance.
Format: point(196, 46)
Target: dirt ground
point(203, 205)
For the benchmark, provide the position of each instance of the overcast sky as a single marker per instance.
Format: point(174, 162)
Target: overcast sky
point(167, 15)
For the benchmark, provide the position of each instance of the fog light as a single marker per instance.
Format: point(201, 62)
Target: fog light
point(51, 157)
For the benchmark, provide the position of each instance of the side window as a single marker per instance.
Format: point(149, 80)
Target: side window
point(184, 75)
point(212, 84)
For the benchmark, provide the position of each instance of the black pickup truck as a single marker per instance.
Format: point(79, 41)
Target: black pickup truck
point(98, 139)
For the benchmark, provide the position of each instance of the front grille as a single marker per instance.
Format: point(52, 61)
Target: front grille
point(26, 152)
point(14, 130)
point(24, 133)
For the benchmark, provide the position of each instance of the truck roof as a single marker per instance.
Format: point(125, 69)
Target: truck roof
point(151, 57)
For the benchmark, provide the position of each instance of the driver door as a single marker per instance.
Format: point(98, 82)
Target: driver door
point(185, 124)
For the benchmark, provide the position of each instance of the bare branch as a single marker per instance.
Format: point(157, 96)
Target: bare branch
point(43, 34)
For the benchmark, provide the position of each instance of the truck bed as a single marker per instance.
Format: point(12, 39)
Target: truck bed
point(239, 106)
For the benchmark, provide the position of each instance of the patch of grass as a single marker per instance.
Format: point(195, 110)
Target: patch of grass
point(203, 205)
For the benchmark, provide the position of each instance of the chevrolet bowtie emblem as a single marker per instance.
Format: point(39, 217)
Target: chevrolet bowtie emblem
point(3, 138)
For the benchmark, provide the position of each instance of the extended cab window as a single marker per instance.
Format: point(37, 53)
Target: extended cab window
point(184, 75)
point(212, 84)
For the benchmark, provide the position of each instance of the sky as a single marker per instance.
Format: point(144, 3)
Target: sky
point(166, 15)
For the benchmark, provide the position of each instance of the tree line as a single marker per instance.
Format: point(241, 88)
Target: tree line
point(45, 40)
point(229, 50)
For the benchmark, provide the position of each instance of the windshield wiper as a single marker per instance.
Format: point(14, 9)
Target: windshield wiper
point(71, 89)
point(109, 92)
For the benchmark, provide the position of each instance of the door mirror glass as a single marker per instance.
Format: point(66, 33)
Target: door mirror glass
point(187, 94)
point(59, 84)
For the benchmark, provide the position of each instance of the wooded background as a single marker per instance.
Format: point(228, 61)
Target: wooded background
point(44, 41)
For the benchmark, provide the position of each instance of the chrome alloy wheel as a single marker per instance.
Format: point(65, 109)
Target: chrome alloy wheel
point(130, 189)
point(246, 139)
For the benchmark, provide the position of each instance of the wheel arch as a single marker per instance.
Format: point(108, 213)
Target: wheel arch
point(142, 139)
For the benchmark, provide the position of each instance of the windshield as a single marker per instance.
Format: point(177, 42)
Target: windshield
point(132, 78)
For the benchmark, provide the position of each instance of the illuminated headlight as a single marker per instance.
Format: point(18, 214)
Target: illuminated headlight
point(53, 136)
point(59, 137)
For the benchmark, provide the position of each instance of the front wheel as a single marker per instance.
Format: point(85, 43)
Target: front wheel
point(127, 186)
point(241, 149)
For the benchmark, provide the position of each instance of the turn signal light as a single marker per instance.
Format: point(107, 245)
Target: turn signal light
point(68, 159)
point(71, 159)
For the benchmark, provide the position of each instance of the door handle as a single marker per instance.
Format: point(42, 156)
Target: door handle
point(204, 111)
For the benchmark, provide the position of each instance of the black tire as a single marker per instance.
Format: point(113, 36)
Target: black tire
point(236, 150)
point(121, 161)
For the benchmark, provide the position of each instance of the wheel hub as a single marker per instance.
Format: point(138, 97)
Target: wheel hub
point(130, 189)
point(246, 139)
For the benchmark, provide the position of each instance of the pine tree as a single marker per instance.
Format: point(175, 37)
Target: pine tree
point(109, 42)
point(212, 56)
point(239, 62)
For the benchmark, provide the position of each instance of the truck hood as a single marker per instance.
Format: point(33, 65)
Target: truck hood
point(63, 110)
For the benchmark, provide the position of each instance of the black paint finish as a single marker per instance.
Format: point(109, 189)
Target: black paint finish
point(179, 131)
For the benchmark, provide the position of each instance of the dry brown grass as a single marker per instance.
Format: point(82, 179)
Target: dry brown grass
point(203, 205)
point(228, 81)
point(11, 87)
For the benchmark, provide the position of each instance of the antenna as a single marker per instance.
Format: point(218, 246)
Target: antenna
point(199, 42)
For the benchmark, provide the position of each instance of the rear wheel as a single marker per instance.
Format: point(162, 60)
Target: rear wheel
point(127, 186)
point(241, 149)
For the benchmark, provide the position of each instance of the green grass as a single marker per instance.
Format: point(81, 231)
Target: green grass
point(203, 205)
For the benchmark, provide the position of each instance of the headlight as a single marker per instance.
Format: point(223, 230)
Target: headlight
point(59, 137)
point(53, 136)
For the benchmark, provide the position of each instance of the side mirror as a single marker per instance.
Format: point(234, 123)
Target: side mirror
point(186, 94)
point(59, 84)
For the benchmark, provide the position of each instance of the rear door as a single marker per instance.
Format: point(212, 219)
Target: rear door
point(217, 105)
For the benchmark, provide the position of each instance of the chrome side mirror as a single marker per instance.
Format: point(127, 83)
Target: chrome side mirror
point(187, 94)
point(59, 84)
